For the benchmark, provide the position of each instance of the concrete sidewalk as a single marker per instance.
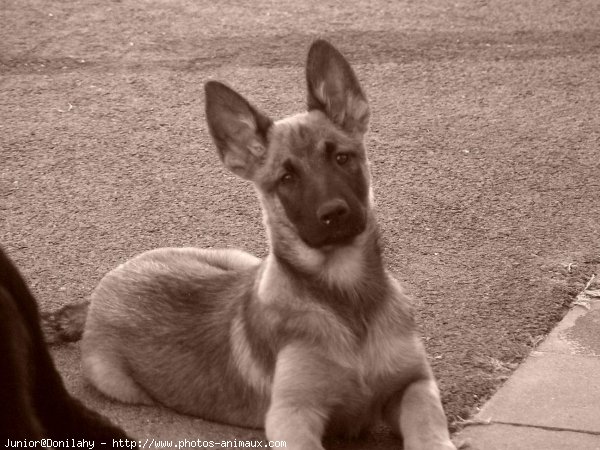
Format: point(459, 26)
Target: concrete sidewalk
point(552, 401)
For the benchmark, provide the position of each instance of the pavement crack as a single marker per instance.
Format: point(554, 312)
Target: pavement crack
point(541, 427)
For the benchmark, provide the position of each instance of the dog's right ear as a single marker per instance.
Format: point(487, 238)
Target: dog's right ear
point(238, 129)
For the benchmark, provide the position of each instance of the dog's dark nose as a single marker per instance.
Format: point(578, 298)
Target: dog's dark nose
point(333, 211)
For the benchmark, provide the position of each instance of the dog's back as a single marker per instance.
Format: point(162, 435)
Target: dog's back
point(169, 313)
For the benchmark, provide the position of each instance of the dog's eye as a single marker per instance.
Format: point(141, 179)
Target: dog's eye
point(342, 158)
point(289, 172)
point(286, 178)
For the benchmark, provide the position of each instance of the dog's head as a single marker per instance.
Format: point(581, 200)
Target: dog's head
point(310, 169)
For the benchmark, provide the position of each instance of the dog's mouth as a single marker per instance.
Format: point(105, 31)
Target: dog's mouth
point(341, 239)
point(332, 244)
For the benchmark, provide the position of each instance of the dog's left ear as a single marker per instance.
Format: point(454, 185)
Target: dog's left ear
point(334, 89)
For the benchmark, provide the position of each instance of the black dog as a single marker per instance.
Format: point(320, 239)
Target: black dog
point(34, 403)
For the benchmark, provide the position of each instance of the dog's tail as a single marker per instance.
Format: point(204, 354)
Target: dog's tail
point(64, 324)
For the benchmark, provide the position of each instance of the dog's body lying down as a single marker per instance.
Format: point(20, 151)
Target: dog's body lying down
point(34, 403)
point(316, 337)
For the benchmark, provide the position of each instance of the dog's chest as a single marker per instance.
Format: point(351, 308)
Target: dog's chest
point(389, 348)
point(383, 365)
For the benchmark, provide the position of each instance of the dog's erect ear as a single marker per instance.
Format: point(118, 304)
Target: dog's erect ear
point(238, 129)
point(334, 89)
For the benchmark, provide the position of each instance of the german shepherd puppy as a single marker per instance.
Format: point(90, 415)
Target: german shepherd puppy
point(34, 403)
point(315, 338)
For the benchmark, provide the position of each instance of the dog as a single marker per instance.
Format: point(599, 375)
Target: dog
point(34, 404)
point(317, 338)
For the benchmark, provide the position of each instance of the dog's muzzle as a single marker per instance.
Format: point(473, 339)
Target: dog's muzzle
point(336, 224)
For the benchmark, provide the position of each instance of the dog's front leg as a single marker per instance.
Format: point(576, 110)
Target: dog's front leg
point(300, 399)
point(418, 416)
